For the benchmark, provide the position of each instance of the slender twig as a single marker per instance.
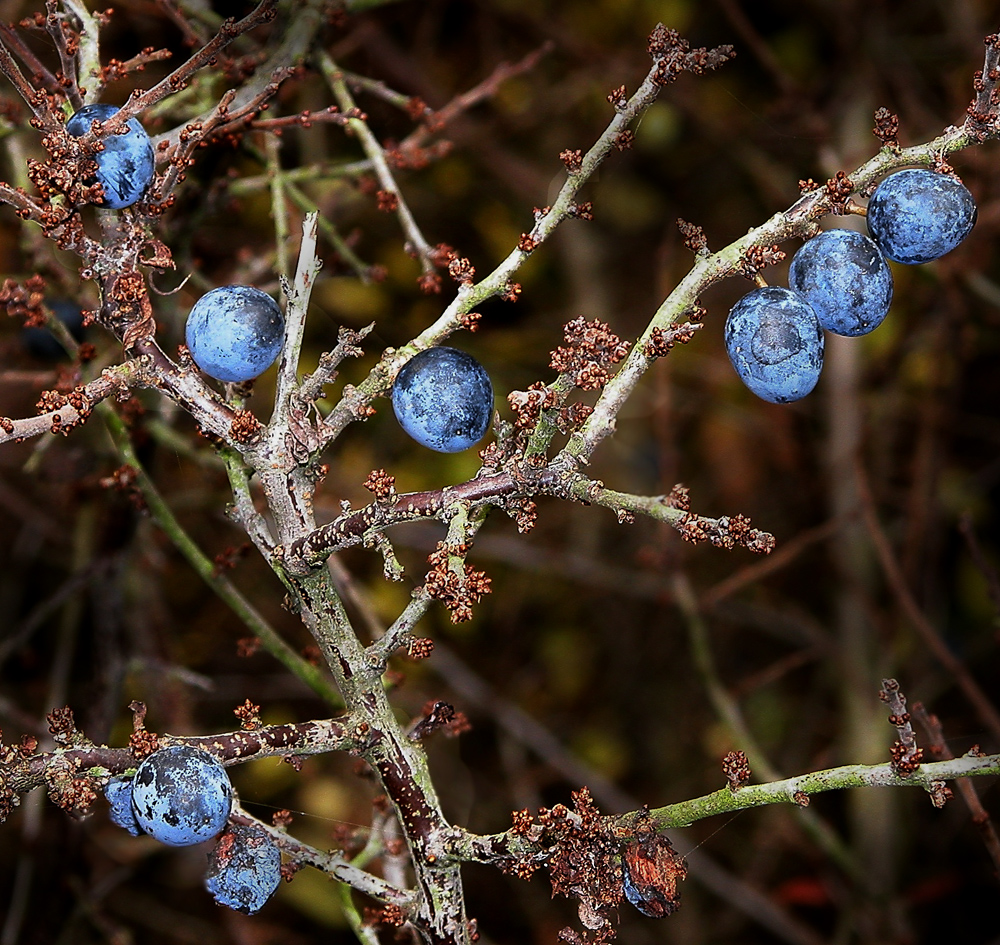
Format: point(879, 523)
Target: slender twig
point(980, 816)
point(401, 630)
point(794, 790)
point(54, 24)
point(74, 409)
point(230, 30)
point(300, 35)
point(279, 209)
point(207, 571)
point(334, 864)
point(295, 318)
point(732, 718)
point(375, 153)
point(37, 68)
point(348, 346)
point(983, 705)
point(33, 99)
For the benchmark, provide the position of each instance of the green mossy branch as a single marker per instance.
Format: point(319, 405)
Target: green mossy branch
point(799, 221)
point(794, 790)
point(462, 846)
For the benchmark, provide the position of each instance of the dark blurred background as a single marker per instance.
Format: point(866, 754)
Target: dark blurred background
point(901, 439)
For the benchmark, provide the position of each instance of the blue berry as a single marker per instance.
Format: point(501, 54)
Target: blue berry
point(235, 332)
point(118, 791)
point(650, 873)
point(845, 279)
point(916, 215)
point(244, 869)
point(181, 796)
point(125, 166)
point(443, 398)
point(775, 343)
point(634, 896)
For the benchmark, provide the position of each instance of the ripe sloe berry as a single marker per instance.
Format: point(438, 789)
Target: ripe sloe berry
point(775, 343)
point(443, 398)
point(244, 869)
point(181, 796)
point(125, 166)
point(118, 791)
point(917, 215)
point(845, 279)
point(235, 332)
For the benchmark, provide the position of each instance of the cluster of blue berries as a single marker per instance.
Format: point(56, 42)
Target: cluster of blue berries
point(443, 398)
point(234, 332)
point(181, 796)
point(840, 281)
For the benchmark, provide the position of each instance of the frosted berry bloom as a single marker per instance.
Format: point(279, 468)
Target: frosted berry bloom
point(125, 166)
point(845, 279)
point(916, 215)
point(775, 343)
point(118, 791)
point(181, 796)
point(235, 332)
point(443, 398)
point(244, 869)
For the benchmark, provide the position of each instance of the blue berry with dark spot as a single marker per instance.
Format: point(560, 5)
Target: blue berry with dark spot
point(118, 791)
point(125, 166)
point(443, 398)
point(244, 869)
point(235, 332)
point(845, 279)
point(917, 215)
point(775, 342)
point(181, 796)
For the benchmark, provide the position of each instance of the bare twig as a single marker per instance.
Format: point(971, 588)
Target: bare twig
point(375, 153)
point(230, 30)
point(980, 816)
point(984, 707)
point(34, 100)
point(68, 411)
point(332, 864)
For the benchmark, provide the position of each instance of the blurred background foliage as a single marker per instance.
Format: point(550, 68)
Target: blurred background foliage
point(581, 631)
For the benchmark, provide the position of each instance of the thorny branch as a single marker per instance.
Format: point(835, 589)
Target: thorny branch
point(583, 851)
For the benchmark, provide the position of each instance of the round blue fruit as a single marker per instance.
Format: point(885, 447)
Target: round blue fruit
point(181, 796)
point(235, 332)
point(118, 791)
point(916, 215)
point(443, 398)
point(775, 343)
point(244, 869)
point(845, 279)
point(125, 166)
